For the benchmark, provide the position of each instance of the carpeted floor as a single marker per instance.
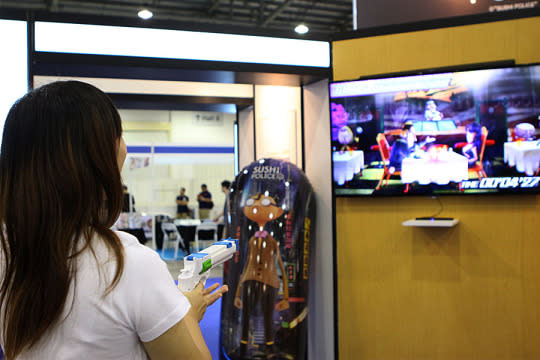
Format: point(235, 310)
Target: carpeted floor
point(210, 324)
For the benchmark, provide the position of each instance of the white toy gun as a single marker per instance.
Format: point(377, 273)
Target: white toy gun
point(197, 266)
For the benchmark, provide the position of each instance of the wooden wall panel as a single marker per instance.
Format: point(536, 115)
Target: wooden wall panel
point(512, 39)
point(468, 292)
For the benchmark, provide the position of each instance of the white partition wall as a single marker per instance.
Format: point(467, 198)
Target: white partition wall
point(13, 65)
point(246, 149)
point(318, 170)
point(278, 124)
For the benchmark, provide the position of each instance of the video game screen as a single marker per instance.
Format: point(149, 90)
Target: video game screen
point(465, 132)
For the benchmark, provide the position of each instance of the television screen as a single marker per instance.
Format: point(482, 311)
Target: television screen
point(475, 131)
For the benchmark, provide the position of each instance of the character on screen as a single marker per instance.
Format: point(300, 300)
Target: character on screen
point(259, 282)
point(431, 113)
point(403, 147)
point(340, 118)
point(474, 143)
point(406, 146)
point(345, 138)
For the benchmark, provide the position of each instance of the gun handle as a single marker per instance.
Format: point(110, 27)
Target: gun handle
point(190, 286)
point(204, 277)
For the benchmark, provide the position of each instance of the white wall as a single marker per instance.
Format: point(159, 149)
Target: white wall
point(13, 65)
point(318, 170)
point(278, 123)
point(161, 182)
point(184, 129)
point(245, 138)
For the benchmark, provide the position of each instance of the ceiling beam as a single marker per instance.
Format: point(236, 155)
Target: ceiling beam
point(214, 6)
point(276, 12)
point(52, 5)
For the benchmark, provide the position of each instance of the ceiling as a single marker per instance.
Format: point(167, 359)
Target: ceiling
point(324, 18)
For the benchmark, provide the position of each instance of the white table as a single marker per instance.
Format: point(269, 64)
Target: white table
point(449, 166)
point(347, 164)
point(187, 222)
point(524, 155)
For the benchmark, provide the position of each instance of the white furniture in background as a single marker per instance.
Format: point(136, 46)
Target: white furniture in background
point(171, 234)
point(347, 164)
point(187, 222)
point(524, 155)
point(205, 226)
point(449, 166)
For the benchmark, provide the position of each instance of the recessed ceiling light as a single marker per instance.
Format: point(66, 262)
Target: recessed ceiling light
point(145, 14)
point(301, 29)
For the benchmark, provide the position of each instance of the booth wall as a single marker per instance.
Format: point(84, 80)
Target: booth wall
point(278, 113)
point(468, 292)
point(316, 143)
point(503, 40)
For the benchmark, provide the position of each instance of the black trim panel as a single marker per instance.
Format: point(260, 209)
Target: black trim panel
point(178, 102)
point(181, 99)
point(125, 67)
point(84, 59)
point(438, 70)
point(30, 52)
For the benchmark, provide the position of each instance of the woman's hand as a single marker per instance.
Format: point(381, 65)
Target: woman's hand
point(201, 298)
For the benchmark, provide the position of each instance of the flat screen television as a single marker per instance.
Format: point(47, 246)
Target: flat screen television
point(451, 132)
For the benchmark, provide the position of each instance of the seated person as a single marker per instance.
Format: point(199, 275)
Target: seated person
point(431, 113)
point(471, 150)
point(403, 147)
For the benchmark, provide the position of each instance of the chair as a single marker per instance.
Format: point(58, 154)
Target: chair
point(384, 150)
point(170, 233)
point(207, 227)
point(478, 167)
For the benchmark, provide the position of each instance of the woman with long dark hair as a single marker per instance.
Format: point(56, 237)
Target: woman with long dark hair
point(71, 288)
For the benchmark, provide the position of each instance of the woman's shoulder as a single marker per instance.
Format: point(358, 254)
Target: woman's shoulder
point(133, 249)
point(139, 258)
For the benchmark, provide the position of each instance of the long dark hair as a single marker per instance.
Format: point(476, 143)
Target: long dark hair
point(60, 185)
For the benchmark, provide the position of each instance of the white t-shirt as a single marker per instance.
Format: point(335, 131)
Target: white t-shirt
point(144, 304)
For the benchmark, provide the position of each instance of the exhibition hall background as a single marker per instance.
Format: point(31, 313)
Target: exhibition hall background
point(468, 292)
point(271, 101)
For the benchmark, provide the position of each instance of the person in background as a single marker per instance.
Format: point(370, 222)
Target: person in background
point(127, 196)
point(221, 217)
point(182, 200)
point(84, 291)
point(205, 202)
